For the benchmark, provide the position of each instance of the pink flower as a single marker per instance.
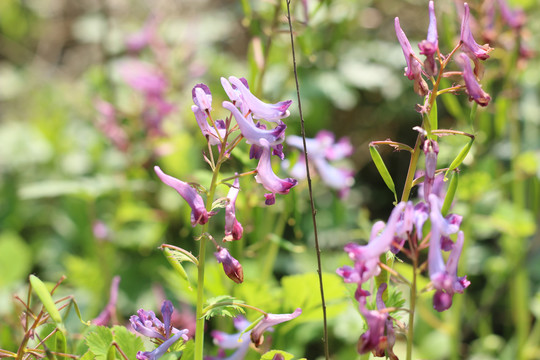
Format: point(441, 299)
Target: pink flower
point(267, 177)
point(414, 69)
point(471, 84)
point(259, 109)
point(233, 229)
point(268, 321)
point(231, 266)
point(469, 45)
point(199, 215)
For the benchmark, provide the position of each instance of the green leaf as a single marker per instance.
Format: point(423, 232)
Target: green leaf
point(45, 296)
point(459, 159)
point(175, 258)
point(452, 187)
point(99, 341)
point(88, 356)
point(189, 350)
point(127, 341)
point(302, 291)
point(223, 305)
point(381, 167)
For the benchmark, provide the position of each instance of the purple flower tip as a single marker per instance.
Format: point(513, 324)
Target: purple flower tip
point(199, 215)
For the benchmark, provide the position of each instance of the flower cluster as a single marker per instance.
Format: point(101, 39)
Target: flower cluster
point(470, 51)
point(245, 108)
point(146, 79)
point(406, 224)
point(323, 151)
point(241, 340)
point(147, 324)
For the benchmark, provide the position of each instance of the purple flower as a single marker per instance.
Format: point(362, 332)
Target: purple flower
point(444, 276)
point(108, 124)
point(259, 109)
point(469, 45)
point(251, 132)
point(366, 257)
point(231, 266)
point(142, 38)
point(156, 109)
point(379, 243)
point(202, 97)
point(199, 215)
point(378, 322)
point(143, 77)
point(431, 151)
point(514, 18)
point(161, 349)
point(267, 177)
point(414, 68)
point(147, 324)
point(268, 321)
point(209, 132)
point(237, 341)
point(110, 309)
point(233, 229)
point(430, 46)
point(471, 84)
point(321, 150)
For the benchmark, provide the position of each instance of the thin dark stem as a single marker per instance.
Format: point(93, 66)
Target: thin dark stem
point(313, 210)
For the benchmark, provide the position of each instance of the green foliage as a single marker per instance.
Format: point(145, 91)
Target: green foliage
point(101, 343)
point(223, 305)
point(298, 291)
point(127, 341)
point(383, 171)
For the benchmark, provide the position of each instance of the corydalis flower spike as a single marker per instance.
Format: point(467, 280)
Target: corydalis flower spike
point(414, 69)
point(233, 229)
point(430, 46)
point(231, 266)
point(199, 215)
point(471, 84)
point(261, 110)
point(469, 45)
point(268, 321)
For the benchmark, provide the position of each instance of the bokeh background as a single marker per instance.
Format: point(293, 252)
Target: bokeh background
point(79, 202)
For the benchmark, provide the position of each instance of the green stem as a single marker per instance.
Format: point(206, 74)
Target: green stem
point(410, 331)
point(199, 330)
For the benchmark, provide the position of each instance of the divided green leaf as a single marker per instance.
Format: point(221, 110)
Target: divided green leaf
point(127, 341)
point(99, 340)
point(223, 305)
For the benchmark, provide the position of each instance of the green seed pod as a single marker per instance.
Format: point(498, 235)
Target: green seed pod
point(46, 298)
